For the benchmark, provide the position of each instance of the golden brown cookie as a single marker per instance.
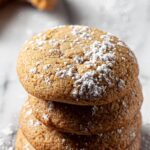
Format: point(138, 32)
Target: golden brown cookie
point(78, 65)
point(44, 4)
point(86, 120)
point(23, 144)
point(42, 137)
point(136, 144)
point(2, 2)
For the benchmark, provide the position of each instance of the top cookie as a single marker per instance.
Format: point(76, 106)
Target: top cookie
point(78, 65)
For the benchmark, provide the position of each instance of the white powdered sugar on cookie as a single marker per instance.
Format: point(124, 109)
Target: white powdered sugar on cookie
point(45, 117)
point(83, 32)
point(33, 123)
point(50, 106)
point(88, 62)
point(33, 70)
point(99, 55)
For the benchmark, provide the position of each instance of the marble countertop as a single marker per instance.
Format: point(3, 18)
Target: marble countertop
point(128, 19)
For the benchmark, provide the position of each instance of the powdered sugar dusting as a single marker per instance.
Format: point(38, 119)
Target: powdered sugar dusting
point(26, 147)
point(28, 113)
point(45, 117)
point(121, 83)
point(132, 134)
point(87, 85)
point(31, 122)
point(53, 42)
point(50, 106)
point(46, 67)
point(98, 58)
point(47, 81)
point(78, 59)
point(40, 42)
point(33, 70)
point(69, 71)
point(83, 32)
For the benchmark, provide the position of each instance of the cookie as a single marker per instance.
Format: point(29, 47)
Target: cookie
point(78, 65)
point(43, 4)
point(2, 2)
point(43, 137)
point(86, 120)
point(136, 144)
point(23, 144)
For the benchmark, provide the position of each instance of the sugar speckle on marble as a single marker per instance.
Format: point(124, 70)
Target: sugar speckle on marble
point(7, 137)
point(10, 148)
point(8, 130)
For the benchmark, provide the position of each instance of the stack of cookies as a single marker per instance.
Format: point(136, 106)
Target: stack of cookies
point(84, 92)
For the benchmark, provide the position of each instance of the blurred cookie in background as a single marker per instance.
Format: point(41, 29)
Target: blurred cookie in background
point(39, 4)
point(2, 2)
point(43, 4)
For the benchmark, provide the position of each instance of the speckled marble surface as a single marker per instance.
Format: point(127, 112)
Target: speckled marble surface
point(129, 19)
